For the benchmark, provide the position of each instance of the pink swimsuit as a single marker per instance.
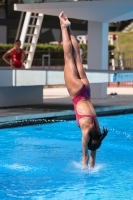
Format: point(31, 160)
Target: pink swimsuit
point(83, 94)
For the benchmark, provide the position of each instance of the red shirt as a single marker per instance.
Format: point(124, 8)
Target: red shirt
point(16, 58)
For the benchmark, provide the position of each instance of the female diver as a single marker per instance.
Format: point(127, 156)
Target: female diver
point(79, 89)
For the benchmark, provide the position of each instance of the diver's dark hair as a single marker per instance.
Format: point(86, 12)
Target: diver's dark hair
point(96, 137)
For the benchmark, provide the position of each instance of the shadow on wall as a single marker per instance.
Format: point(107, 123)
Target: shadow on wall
point(47, 36)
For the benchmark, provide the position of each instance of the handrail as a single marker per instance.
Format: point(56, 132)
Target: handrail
point(19, 26)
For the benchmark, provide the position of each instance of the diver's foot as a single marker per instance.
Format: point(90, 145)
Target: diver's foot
point(64, 20)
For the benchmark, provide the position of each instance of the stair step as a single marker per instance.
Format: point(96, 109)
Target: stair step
point(34, 26)
point(29, 43)
point(29, 34)
point(28, 52)
point(36, 16)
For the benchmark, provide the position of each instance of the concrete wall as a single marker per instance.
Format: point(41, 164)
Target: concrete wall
point(3, 34)
point(3, 29)
point(19, 96)
point(25, 87)
point(2, 13)
point(51, 34)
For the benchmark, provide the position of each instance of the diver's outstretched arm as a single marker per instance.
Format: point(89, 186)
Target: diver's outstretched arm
point(92, 159)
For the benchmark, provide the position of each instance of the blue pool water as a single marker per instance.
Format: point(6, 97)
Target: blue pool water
point(44, 162)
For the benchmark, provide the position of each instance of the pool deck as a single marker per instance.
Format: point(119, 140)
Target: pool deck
point(57, 105)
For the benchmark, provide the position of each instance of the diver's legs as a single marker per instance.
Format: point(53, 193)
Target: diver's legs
point(71, 75)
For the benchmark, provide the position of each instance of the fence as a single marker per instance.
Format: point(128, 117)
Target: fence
point(119, 59)
point(56, 59)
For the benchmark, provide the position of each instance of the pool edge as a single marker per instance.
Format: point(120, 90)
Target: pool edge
point(39, 118)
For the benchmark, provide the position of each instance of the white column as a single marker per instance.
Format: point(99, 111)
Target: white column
point(98, 54)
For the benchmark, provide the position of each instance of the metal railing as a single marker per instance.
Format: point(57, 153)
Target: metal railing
point(56, 59)
point(120, 61)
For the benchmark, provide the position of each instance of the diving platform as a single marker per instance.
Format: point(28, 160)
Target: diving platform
point(96, 10)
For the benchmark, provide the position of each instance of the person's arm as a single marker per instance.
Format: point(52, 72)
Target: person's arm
point(85, 156)
point(85, 140)
point(6, 55)
point(92, 159)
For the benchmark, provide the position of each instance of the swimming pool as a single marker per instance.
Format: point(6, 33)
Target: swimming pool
point(44, 162)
